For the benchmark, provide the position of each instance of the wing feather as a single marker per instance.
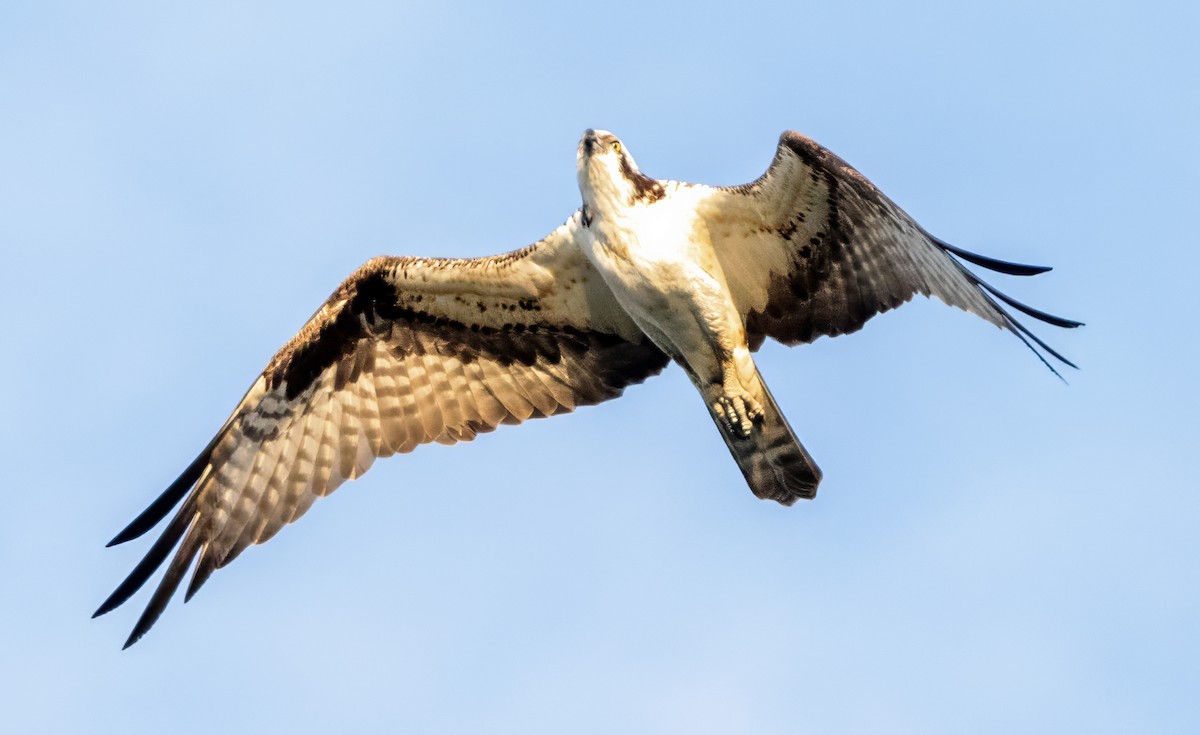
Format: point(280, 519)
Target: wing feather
point(812, 248)
point(407, 351)
point(391, 414)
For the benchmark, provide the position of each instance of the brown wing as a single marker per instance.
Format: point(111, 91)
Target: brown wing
point(406, 351)
point(812, 248)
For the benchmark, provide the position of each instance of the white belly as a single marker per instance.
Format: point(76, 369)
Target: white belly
point(662, 270)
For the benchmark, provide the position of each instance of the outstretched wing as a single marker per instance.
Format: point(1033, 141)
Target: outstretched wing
point(406, 351)
point(812, 248)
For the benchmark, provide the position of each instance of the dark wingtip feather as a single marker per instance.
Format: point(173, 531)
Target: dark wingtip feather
point(163, 504)
point(166, 588)
point(1031, 340)
point(204, 569)
point(1026, 336)
point(1040, 343)
point(1057, 321)
point(149, 563)
point(1000, 266)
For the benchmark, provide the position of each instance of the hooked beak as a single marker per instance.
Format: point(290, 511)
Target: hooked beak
point(590, 142)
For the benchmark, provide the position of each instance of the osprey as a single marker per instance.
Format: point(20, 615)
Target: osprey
point(415, 350)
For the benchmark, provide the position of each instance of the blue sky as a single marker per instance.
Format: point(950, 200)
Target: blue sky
point(991, 550)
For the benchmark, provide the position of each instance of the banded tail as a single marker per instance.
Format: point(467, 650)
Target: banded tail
point(776, 465)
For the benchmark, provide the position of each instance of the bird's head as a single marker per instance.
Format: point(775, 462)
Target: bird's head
point(608, 175)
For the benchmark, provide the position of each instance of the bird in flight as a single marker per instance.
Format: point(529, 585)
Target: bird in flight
point(646, 272)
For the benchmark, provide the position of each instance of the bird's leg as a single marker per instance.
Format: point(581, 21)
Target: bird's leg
point(717, 359)
point(710, 345)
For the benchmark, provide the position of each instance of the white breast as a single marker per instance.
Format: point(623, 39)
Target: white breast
point(659, 263)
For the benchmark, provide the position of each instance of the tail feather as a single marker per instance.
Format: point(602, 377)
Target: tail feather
point(776, 465)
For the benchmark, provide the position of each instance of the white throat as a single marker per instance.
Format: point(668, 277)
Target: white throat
point(604, 190)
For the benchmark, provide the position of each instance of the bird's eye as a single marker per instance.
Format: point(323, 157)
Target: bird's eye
point(617, 146)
